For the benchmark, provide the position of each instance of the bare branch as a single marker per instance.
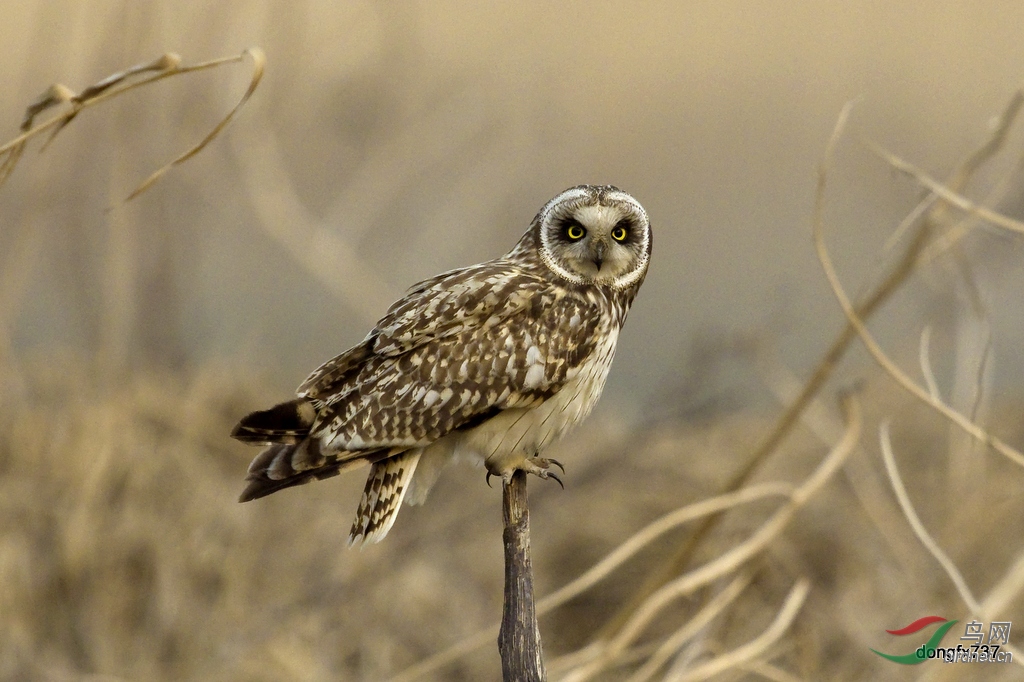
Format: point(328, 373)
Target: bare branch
point(924, 360)
point(259, 61)
point(738, 555)
point(693, 626)
point(603, 568)
point(756, 646)
point(952, 197)
point(915, 522)
point(861, 330)
point(166, 66)
point(653, 531)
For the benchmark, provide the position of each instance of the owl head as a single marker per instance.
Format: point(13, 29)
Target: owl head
point(596, 235)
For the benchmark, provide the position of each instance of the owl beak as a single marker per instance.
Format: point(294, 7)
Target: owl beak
point(598, 258)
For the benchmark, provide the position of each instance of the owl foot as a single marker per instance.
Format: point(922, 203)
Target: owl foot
point(538, 466)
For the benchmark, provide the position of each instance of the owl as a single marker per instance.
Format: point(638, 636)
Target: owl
point(489, 363)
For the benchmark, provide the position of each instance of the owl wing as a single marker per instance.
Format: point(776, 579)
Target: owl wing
point(444, 305)
point(454, 351)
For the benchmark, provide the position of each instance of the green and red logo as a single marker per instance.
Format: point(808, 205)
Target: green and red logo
point(926, 650)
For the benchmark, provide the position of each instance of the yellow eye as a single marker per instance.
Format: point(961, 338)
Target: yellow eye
point(620, 233)
point(575, 232)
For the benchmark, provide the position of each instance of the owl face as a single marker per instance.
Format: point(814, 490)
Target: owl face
point(595, 235)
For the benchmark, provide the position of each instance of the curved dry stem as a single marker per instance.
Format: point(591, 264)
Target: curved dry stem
point(958, 231)
point(870, 491)
point(603, 568)
point(259, 61)
point(693, 626)
point(858, 325)
point(915, 523)
point(979, 309)
point(754, 648)
point(165, 66)
point(909, 221)
point(950, 196)
point(924, 359)
point(963, 174)
point(740, 554)
point(653, 531)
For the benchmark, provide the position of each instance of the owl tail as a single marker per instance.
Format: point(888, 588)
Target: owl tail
point(385, 487)
point(283, 465)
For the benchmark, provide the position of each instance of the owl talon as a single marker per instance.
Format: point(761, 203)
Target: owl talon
point(538, 466)
point(541, 467)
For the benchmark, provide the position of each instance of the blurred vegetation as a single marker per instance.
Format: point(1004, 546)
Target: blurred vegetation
point(389, 142)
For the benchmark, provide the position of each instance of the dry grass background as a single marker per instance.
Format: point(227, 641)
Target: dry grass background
point(129, 337)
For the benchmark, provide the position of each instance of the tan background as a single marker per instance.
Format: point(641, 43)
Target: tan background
point(426, 135)
point(390, 141)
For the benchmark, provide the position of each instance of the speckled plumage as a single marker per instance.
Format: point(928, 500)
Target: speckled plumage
point(490, 362)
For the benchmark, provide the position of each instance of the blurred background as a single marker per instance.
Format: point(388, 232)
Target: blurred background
point(391, 141)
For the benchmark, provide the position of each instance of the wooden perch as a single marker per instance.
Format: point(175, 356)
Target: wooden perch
point(522, 659)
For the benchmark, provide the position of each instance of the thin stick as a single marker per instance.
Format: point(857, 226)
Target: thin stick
point(603, 568)
point(856, 321)
point(691, 628)
point(655, 530)
point(728, 562)
point(791, 416)
point(759, 644)
point(915, 523)
point(949, 195)
point(167, 66)
point(522, 658)
point(926, 364)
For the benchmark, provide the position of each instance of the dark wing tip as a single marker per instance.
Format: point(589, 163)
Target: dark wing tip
point(255, 490)
point(242, 433)
point(259, 485)
point(285, 423)
point(249, 494)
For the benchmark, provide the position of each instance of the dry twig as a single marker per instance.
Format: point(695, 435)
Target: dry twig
point(891, 283)
point(915, 522)
point(946, 193)
point(856, 322)
point(604, 568)
point(732, 559)
point(702, 618)
point(758, 645)
point(166, 66)
point(999, 597)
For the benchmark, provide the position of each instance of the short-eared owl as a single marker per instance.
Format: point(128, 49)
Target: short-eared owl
point(490, 362)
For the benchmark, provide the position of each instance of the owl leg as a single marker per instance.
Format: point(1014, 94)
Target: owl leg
point(538, 466)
